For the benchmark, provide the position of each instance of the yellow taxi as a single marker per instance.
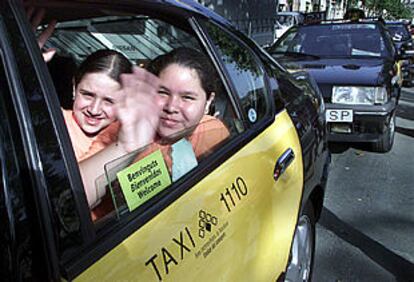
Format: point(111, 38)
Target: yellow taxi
point(245, 211)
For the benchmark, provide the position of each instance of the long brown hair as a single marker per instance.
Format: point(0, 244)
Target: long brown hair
point(106, 61)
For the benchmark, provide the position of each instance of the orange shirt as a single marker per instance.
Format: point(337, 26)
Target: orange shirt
point(208, 133)
point(83, 145)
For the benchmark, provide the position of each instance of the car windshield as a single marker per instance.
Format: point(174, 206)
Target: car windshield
point(399, 32)
point(338, 40)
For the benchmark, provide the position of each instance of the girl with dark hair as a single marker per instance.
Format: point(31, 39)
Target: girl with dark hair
point(94, 92)
point(188, 86)
point(107, 91)
point(186, 91)
point(98, 95)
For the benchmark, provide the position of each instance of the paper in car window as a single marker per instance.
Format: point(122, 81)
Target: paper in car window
point(358, 52)
point(144, 179)
point(353, 26)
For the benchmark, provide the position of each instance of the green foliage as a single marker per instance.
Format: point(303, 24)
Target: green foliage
point(395, 9)
point(352, 4)
point(232, 53)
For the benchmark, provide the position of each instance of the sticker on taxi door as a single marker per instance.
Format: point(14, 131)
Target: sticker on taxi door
point(144, 179)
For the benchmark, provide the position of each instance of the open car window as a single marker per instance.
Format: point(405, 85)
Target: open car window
point(141, 39)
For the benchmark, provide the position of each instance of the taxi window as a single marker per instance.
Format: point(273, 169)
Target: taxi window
point(245, 72)
point(137, 180)
point(134, 182)
point(140, 38)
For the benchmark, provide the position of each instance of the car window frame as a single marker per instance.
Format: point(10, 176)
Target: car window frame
point(21, 109)
point(96, 245)
point(208, 45)
point(13, 170)
point(115, 232)
point(253, 50)
point(31, 56)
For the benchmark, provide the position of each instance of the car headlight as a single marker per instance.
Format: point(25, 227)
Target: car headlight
point(359, 95)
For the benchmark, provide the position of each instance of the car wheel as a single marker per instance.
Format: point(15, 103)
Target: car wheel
point(303, 247)
point(387, 139)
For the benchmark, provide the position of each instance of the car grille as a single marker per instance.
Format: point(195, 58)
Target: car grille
point(359, 127)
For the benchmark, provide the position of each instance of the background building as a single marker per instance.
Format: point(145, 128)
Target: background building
point(334, 8)
point(255, 18)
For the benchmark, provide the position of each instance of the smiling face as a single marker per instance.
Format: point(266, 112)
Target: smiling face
point(93, 107)
point(185, 101)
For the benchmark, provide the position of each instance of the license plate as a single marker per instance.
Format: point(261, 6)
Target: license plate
point(339, 115)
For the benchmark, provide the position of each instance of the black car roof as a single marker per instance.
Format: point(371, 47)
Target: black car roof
point(60, 9)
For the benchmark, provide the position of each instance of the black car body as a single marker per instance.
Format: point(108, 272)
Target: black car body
point(403, 43)
point(358, 59)
point(47, 233)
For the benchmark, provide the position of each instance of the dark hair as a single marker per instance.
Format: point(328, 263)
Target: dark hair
point(189, 58)
point(106, 61)
point(62, 70)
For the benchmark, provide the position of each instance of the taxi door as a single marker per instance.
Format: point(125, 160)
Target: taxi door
point(236, 223)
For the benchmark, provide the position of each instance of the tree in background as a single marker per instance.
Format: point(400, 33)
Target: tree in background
point(395, 9)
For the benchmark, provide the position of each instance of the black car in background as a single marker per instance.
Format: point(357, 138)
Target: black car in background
point(403, 42)
point(354, 65)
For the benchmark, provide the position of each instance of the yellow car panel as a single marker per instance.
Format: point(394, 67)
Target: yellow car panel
point(399, 73)
point(236, 224)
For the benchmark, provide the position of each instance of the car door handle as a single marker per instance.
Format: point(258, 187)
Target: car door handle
point(283, 163)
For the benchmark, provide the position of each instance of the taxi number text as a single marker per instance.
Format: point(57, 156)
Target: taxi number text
point(235, 194)
point(339, 115)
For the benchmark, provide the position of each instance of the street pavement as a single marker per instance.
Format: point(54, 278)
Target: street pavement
point(366, 231)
